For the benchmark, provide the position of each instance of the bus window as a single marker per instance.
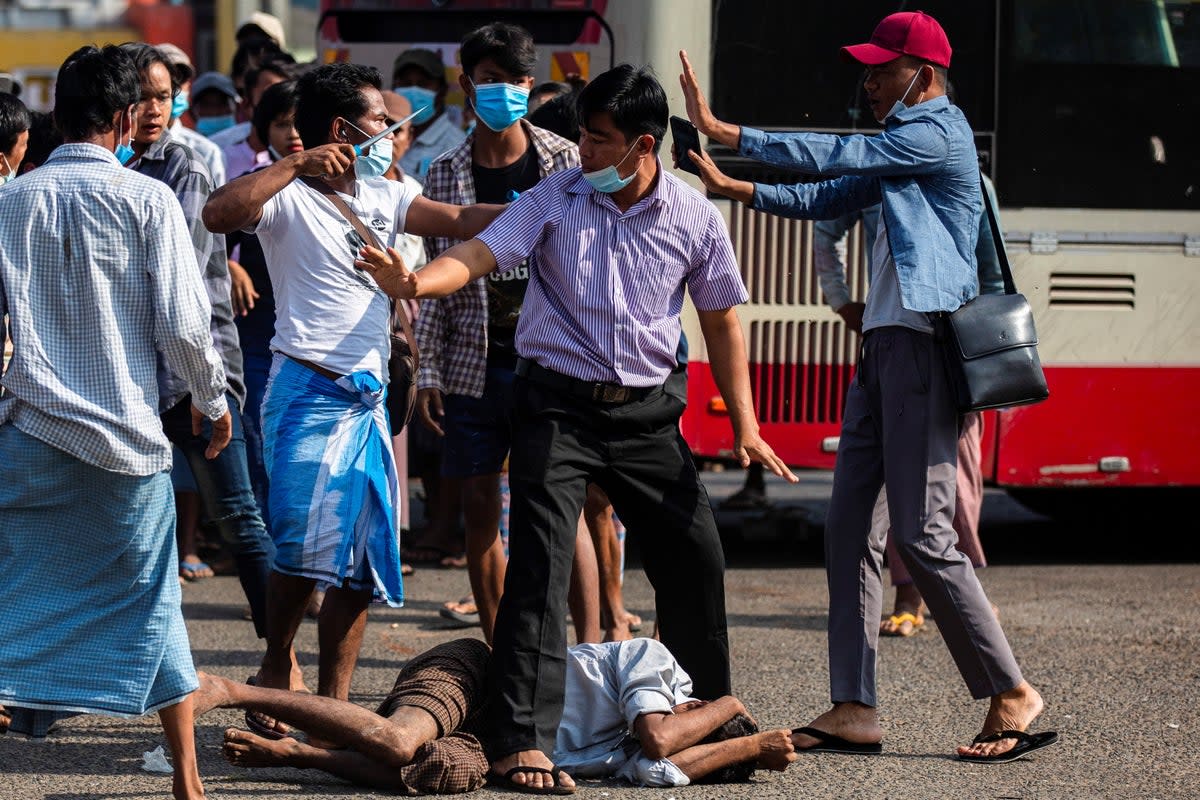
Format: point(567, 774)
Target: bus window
point(1097, 104)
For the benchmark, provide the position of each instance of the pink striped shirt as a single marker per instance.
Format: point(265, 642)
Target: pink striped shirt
point(605, 287)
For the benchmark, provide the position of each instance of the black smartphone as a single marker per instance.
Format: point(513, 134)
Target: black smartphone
point(685, 137)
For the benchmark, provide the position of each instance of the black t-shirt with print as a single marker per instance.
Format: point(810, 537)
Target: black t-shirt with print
point(506, 290)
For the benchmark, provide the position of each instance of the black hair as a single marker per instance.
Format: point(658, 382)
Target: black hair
point(252, 52)
point(510, 46)
point(739, 726)
point(145, 56)
point(634, 99)
point(554, 88)
point(283, 67)
point(558, 115)
point(328, 92)
point(14, 120)
point(277, 99)
point(92, 86)
point(43, 138)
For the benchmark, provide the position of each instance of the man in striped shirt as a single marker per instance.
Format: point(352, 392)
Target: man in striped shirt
point(611, 247)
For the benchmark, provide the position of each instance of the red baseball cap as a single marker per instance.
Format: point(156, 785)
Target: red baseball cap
point(905, 33)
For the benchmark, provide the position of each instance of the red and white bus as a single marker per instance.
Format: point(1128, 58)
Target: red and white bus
point(1083, 111)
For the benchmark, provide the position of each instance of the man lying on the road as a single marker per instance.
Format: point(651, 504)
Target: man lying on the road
point(628, 714)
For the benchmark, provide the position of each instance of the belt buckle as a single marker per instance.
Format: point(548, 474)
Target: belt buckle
point(610, 393)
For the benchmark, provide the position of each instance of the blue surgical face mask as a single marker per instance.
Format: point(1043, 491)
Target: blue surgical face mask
point(608, 180)
point(179, 104)
point(207, 126)
point(376, 161)
point(420, 98)
point(9, 172)
point(500, 105)
point(899, 105)
point(124, 151)
point(275, 156)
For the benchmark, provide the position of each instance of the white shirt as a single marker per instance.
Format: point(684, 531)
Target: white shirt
point(328, 312)
point(608, 687)
point(441, 135)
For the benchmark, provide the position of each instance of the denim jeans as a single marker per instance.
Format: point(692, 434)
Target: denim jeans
point(227, 500)
point(257, 366)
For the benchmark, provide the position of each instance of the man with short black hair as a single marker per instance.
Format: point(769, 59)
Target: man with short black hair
point(468, 356)
point(223, 483)
point(420, 77)
point(15, 121)
point(183, 73)
point(333, 491)
point(611, 247)
point(901, 425)
point(97, 276)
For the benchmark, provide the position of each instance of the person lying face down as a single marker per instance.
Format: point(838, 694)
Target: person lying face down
point(628, 715)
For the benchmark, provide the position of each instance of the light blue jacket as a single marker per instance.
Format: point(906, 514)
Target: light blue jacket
point(923, 168)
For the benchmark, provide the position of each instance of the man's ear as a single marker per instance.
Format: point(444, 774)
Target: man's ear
point(464, 83)
point(337, 131)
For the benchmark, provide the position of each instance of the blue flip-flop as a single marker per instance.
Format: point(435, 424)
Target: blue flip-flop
point(191, 569)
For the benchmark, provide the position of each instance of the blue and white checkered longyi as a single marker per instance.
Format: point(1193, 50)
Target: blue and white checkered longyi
point(335, 494)
point(92, 622)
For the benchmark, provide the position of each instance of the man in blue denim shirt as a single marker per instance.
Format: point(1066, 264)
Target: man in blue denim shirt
point(901, 424)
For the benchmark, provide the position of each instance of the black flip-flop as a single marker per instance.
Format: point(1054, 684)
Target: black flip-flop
point(507, 782)
point(461, 619)
point(254, 720)
point(1026, 744)
point(828, 743)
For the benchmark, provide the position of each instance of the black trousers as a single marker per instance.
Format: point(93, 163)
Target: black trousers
point(635, 453)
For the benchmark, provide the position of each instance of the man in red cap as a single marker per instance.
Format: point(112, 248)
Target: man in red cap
point(900, 428)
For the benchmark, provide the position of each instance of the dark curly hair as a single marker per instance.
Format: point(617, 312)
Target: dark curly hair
point(739, 726)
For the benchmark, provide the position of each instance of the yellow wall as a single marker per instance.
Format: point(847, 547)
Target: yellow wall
point(39, 53)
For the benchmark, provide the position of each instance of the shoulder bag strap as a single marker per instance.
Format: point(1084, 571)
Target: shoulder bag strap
point(1010, 286)
point(368, 235)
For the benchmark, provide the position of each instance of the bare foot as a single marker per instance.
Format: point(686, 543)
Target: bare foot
point(213, 692)
point(532, 780)
point(623, 629)
point(853, 722)
point(1013, 710)
point(246, 749)
point(5, 720)
point(775, 749)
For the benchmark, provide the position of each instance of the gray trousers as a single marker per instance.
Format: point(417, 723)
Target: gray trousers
point(901, 429)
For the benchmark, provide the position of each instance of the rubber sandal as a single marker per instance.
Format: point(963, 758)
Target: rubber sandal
point(257, 721)
point(507, 782)
point(897, 620)
point(188, 570)
point(1026, 744)
point(828, 743)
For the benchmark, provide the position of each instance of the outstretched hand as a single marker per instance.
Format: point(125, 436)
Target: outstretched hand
point(697, 107)
point(389, 271)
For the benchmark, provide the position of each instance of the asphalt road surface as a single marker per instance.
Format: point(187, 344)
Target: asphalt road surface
point(1106, 623)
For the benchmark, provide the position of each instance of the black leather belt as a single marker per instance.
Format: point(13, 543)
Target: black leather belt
point(596, 392)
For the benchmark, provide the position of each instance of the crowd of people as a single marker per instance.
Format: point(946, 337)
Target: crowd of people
point(201, 319)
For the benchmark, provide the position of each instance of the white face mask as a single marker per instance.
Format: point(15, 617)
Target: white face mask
point(9, 172)
point(900, 105)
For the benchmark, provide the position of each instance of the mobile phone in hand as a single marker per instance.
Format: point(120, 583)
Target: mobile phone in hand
point(685, 137)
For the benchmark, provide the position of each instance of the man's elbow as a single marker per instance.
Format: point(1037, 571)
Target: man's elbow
point(654, 746)
point(215, 218)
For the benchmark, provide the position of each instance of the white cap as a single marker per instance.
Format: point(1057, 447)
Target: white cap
point(268, 24)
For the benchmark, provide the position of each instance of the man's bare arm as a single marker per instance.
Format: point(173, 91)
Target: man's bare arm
point(662, 734)
point(239, 203)
point(445, 275)
point(430, 218)
point(769, 750)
